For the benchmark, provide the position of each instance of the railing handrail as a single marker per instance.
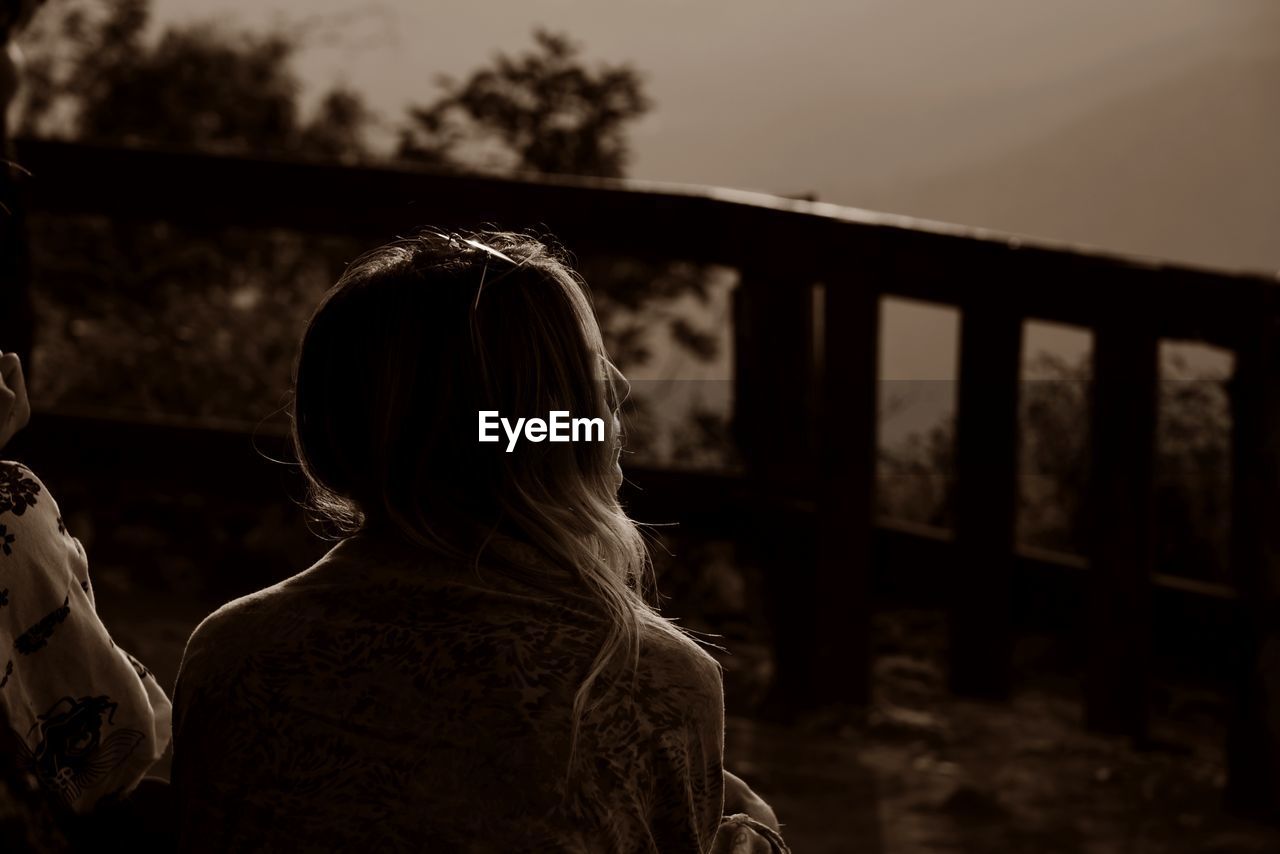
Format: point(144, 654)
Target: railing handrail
point(44, 151)
point(1056, 281)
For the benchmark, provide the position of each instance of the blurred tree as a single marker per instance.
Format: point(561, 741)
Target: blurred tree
point(97, 72)
point(1053, 453)
point(1193, 472)
point(545, 111)
point(146, 317)
point(337, 130)
point(1192, 488)
point(162, 320)
point(94, 74)
point(542, 111)
point(915, 479)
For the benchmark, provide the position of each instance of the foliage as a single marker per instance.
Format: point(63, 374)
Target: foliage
point(203, 323)
point(158, 320)
point(94, 74)
point(546, 111)
point(1191, 467)
point(634, 298)
point(542, 111)
point(1053, 453)
point(14, 15)
point(915, 478)
point(1193, 473)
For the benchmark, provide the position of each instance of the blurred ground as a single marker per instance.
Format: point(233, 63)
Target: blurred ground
point(923, 771)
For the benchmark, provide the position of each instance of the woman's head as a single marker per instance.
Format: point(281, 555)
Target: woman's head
point(419, 337)
point(416, 339)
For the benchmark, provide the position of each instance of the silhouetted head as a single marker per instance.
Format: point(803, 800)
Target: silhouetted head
point(415, 340)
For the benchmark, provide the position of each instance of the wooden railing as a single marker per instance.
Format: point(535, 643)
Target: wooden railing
point(805, 347)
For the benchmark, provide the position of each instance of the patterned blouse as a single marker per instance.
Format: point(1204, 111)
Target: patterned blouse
point(88, 719)
point(383, 702)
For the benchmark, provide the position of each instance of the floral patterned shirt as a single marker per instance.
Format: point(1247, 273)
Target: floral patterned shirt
point(89, 719)
point(385, 702)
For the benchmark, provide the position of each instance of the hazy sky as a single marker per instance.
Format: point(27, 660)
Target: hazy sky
point(883, 103)
point(1149, 126)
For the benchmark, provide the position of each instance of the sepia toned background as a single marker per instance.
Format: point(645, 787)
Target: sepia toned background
point(165, 321)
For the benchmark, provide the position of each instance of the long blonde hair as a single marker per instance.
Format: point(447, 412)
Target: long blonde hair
point(417, 337)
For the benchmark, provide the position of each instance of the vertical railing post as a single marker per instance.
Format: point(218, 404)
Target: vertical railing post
point(1120, 507)
point(1253, 740)
point(773, 367)
point(981, 614)
point(846, 492)
point(773, 400)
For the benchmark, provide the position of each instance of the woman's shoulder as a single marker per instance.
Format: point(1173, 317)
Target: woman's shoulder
point(231, 619)
point(35, 546)
point(22, 494)
point(221, 638)
point(673, 661)
point(244, 622)
point(13, 468)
